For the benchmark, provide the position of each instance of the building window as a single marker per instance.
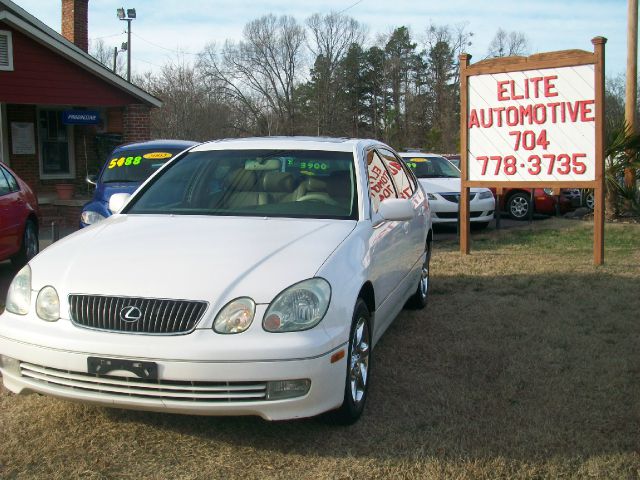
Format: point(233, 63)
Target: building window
point(6, 51)
point(56, 145)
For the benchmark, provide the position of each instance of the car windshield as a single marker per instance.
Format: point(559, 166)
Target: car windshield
point(431, 167)
point(264, 183)
point(135, 165)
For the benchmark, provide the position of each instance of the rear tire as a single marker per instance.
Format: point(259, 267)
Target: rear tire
point(30, 246)
point(518, 206)
point(420, 298)
point(589, 200)
point(358, 367)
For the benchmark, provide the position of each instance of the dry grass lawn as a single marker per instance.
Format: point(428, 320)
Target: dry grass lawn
point(526, 364)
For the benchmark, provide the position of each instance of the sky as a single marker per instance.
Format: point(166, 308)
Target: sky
point(167, 30)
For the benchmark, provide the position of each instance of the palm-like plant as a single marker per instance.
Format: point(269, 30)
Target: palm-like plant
point(622, 152)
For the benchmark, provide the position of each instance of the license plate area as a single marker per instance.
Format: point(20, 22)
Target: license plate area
point(103, 366)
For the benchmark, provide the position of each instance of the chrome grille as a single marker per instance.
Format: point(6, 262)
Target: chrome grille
point(174, 390)
point(157, 316)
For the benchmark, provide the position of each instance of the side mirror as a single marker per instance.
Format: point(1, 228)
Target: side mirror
point(396, 209)
point(117, 201)
point(92, 180)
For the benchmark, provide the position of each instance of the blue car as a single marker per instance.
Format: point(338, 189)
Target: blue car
point(125, 170)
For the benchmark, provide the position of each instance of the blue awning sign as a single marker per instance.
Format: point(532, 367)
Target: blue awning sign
point(80, 117)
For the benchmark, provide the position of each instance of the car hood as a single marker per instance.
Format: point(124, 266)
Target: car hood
point(443, 185)
point(214, 259)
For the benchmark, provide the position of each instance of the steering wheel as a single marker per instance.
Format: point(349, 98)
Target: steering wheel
point(317, 197)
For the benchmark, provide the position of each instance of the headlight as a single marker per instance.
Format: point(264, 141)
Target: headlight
point(548, 191)
point(484, 195)
point(19, 294)
point(89, 217)
point(300, 307)
point(236, 316)
point(48, 304)
point(431, 196)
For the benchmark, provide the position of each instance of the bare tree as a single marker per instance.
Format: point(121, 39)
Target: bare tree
point(193, 107)
point(104, 54)
point(507, 44)
point(331, 35)
point(261, 71)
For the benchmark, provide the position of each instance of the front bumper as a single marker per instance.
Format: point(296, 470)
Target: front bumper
point(199, 373)
point(444, 211)
point(197, 388)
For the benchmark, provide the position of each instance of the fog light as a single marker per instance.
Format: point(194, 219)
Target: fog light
point(10, 365)
point(282, 389)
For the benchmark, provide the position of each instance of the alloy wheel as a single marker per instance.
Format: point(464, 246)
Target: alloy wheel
point(519, 206)
point(424, 279)
point(359, 361)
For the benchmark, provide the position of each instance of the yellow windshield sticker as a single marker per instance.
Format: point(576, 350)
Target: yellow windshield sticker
point(419, 160)
point(125, 161)
point(157, 155)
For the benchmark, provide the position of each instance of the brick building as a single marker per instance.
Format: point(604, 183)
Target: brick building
point(61, 111)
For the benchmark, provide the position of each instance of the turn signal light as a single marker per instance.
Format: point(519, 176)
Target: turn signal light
point(336, 357)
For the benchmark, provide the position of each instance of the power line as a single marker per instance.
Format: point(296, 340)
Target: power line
point(106, 36)
point(150, 63)
point(350, 7)
point(164, 48)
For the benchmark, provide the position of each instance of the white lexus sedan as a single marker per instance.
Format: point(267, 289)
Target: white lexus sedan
point(245, 277)
point(440, 179)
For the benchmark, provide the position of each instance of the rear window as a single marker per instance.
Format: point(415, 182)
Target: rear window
point(135, 166)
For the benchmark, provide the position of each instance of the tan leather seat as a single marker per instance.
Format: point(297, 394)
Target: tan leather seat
point(277, 185)
point(242, 190)
point(310, 187)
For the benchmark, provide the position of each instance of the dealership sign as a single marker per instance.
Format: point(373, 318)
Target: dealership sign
point(534, 122)
point(535, 125)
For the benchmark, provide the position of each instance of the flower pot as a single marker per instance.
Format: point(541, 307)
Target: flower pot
point(64, 191)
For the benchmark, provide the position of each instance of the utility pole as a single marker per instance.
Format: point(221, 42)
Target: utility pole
point(115, 58)
point(632, 79)
point(128, 17)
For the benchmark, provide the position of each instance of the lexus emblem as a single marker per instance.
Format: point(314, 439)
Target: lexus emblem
point(130, 314)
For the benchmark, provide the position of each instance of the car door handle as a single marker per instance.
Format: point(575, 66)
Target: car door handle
point(421, 211)
point(405, 227)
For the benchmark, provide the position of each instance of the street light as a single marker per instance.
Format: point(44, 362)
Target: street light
point(130, 15)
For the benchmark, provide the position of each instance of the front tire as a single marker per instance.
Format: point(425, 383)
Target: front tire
point(358, 367)
point(518, 206)
point(30, 245)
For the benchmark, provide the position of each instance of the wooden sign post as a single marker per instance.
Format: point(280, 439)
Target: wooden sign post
point(534, 122)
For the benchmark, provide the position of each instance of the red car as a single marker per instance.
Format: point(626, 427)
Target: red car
point(516, 201)
point(18, 219)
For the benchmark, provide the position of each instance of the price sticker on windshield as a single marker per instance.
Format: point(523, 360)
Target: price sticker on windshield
point(157, 155)
point(125, 161)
